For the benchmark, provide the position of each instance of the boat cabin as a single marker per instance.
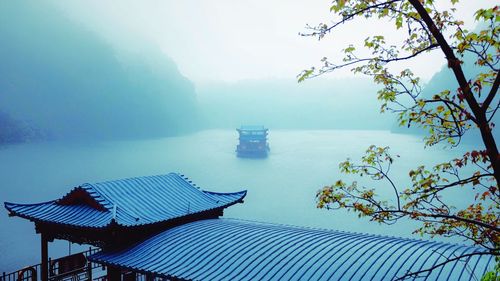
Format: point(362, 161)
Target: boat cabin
point(253, 141)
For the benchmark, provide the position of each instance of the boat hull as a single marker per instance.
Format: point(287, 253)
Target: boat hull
point(252, 153)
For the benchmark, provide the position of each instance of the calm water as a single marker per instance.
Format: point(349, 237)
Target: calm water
point(281, 188)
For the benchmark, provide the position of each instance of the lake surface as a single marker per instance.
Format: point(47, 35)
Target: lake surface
point(281, 188)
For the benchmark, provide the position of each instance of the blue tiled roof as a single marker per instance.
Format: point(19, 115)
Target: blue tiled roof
point(127, 202)
point(228, 249)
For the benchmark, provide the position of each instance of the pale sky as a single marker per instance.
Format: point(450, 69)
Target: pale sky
point(229, 40)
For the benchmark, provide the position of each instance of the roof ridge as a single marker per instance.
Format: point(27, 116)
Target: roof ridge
point(115, 208)
point(89, 186)
point(82, 193)
point(135, 178)
point(343, 231)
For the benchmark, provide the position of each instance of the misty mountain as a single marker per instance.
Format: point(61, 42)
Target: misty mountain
point(285, 104)
point(15, 131)
point(70, 83)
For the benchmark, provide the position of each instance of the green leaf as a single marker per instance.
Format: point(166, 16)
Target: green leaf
point(305, 74)
point(399, 21)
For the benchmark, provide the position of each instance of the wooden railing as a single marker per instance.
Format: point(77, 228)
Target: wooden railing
point(74, 267)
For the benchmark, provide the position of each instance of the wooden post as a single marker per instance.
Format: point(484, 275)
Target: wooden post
point(130, 276)
point(89, 265)
point(89, 270)
point(45, 257)
point(114, 273)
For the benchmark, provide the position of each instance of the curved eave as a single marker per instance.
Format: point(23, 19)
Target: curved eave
point(234, 197)
point(50, 212)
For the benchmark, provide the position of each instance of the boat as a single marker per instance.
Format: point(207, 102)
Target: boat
point(252, 142)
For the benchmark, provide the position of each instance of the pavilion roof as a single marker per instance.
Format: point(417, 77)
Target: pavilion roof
point(252, 128)
point(126, 202)
point(228, 249)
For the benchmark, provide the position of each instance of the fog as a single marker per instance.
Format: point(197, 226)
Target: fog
point(101, 90)
point(63, 81)
point(285, 104)
point(96, 70)
point(66, 82)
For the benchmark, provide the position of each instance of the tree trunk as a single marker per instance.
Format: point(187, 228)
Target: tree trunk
point(479, 113)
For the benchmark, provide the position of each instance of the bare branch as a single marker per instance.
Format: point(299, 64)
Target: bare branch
point(452, 217)
point(351, 16)
point(428, 270)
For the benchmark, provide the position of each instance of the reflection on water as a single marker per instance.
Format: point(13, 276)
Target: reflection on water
point(281, 188)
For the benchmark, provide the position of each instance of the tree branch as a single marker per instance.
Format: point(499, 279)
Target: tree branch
point(450, 102)
point(428, 48)
point(453, 217)
point(351, 16)
point(416, 273)
point(492, 93)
